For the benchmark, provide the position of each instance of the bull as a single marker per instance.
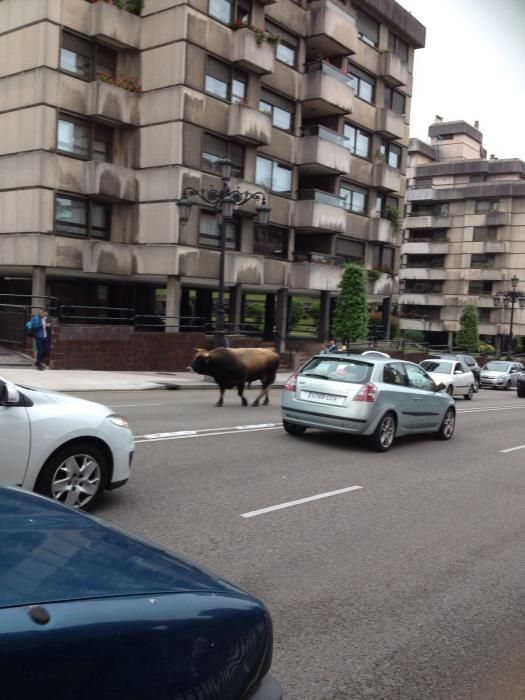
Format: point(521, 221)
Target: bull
point(235, 367)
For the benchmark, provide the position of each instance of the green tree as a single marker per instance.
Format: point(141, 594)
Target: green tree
point(468, 337)
point(296, 311)
point(412, 336)
point(351, 311)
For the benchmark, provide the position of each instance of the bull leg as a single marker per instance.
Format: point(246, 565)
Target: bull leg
point(261, 393)
point(221, 399)
point(240, 390)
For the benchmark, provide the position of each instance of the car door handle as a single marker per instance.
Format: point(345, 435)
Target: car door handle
point(418, 398)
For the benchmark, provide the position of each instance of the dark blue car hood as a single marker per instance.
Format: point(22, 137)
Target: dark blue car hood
point(51, 553)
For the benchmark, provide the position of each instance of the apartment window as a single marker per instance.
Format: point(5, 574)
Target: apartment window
point(484, 315)
point(228, 11)
point(384, 202)
point(382, 256)
point(86, 59)
point(483, 260)
point(485, 205)
point(424, 286)
point(215, 149)
point(398, 46)
point(480, 287)
point(395, 100)
point(362, 83)
point(209, 235)
point(357, 140)
point(286, 49)
point(479, 177)
point(391, 153)
point(270, 241)
point(368, 29)
point(356, 198)
point(224, 81)
point(485, 233)
point(423, 183)
point(280, 110)
point(349, 250)
point(273, 175)
point(82, 217)
point(84, 139)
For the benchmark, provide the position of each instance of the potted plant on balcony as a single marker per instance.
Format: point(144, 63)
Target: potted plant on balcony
point(392, 214)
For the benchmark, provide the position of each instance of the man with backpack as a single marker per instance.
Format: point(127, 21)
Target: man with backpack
point(38, 327)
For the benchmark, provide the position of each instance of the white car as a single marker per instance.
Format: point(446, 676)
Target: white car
point(456, 377)
point(62, 447)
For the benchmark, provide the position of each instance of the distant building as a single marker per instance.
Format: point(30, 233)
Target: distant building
point(106, 116)
point(464, 235)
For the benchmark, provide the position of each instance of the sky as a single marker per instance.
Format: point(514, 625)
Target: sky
point(472, 68)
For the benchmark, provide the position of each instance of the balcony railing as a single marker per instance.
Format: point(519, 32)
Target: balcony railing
point(320, 259)
point(325, 133)
point(329, 69)
point(322, 197)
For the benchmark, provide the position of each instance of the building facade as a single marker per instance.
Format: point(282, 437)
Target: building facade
point(106, 115)
point(464, 235)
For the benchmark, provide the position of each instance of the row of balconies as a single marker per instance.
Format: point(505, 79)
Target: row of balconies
point(442, 247)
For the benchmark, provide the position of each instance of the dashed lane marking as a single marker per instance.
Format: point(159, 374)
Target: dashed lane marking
point(299, 501)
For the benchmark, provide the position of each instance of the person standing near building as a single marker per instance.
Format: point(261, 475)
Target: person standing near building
point(39, 326)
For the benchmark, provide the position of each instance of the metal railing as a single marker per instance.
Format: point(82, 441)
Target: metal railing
point(324, 133)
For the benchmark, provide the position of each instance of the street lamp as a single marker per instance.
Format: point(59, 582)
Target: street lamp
point(223, 202)
point(510, 298)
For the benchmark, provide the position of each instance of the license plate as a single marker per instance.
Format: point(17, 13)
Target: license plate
point(322, 398)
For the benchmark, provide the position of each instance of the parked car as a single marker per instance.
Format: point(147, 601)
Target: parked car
point(62, 447)
point(468, 360)
point(122, 618)
point(520, 384)
point(500, 374)
point(457, 377)
point(381, 398)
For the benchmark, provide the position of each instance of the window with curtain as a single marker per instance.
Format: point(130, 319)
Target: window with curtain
point(82, 217)
point(215, 149)
point(286, 49)
point(356, 198)
point(84, 139)
point(224, 81)
point(395, 100)
point(273, 175)
point(357, 140)
point(368, 28)
point(271, 241)
point(362, 83)
point(209, 234)
point(398, 46)
point(280, 109)
point(227, 11)
point(392, 153)
point(349, 250)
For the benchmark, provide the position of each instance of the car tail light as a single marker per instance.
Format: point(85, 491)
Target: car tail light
point(367, 393)
point(291, 384)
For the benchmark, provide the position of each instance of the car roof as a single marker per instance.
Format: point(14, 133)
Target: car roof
point(366, 359)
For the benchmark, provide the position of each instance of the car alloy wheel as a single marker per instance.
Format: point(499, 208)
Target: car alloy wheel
point(383, 436)
point(450, 390)
point(446, 431)
point(75, 475)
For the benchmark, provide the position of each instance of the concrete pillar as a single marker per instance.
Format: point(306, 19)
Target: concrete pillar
point(235, 311)
point(450, 340)
point(269, 317)
point(38, 290)
point(324, 316)
point(281, 319)
point(173, 300)
point(386, 317)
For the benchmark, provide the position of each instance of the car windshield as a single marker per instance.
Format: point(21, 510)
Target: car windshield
point(338, 370)
point(497, 366)
point(437, 366)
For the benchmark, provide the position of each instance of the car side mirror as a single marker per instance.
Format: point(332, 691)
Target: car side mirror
point(439, 387)
point(9, 395)
point(458, 371)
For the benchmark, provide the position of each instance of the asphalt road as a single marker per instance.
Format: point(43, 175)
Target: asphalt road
point(410, 587)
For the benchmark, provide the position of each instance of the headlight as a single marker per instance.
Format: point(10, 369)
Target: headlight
point(119, 420)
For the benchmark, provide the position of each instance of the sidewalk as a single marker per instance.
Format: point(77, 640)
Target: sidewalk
point(90, 380)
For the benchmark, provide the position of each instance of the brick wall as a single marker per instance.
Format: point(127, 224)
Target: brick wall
point(121, 348)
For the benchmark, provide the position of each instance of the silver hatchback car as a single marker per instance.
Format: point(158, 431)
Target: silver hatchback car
point(381, 398)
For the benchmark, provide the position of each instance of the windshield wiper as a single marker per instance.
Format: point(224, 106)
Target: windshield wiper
point(317, 376)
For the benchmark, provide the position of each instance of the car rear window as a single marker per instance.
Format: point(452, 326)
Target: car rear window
point(497, 366)
point(338, 370)
point(437, 366)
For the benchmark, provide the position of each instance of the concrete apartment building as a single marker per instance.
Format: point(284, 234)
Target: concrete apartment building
point(106, 116)
point(464, 235)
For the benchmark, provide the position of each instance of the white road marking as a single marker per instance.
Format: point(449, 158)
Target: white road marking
point(489, 408)
point(206, 432)
point(130, 405)
point(289, 504)
point(513, 449)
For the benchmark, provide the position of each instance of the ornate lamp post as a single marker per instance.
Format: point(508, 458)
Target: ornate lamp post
point(506, 299)
point(223, 202)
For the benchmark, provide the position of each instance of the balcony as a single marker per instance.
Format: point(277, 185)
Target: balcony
point(422, 221)
point(393, 70)
point(326, 91)
point(495, 247)
point(317, 211)
point(111, 182)
point(497, 218)
point(332, 31)
point(421, 194)
point(382, 231)
point(421, 324)
point(386, 178)
point(249, 125)
point(248, 54)
point(391, 125)
point(318, 271)
point(422, 273)
point(112, 105)
point(113, 27)
point(425, 248)
point(421, 299)
point(321, 151)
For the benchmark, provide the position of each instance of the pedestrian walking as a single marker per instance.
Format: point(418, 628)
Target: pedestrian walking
point(39, 327)
point(332, 346)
